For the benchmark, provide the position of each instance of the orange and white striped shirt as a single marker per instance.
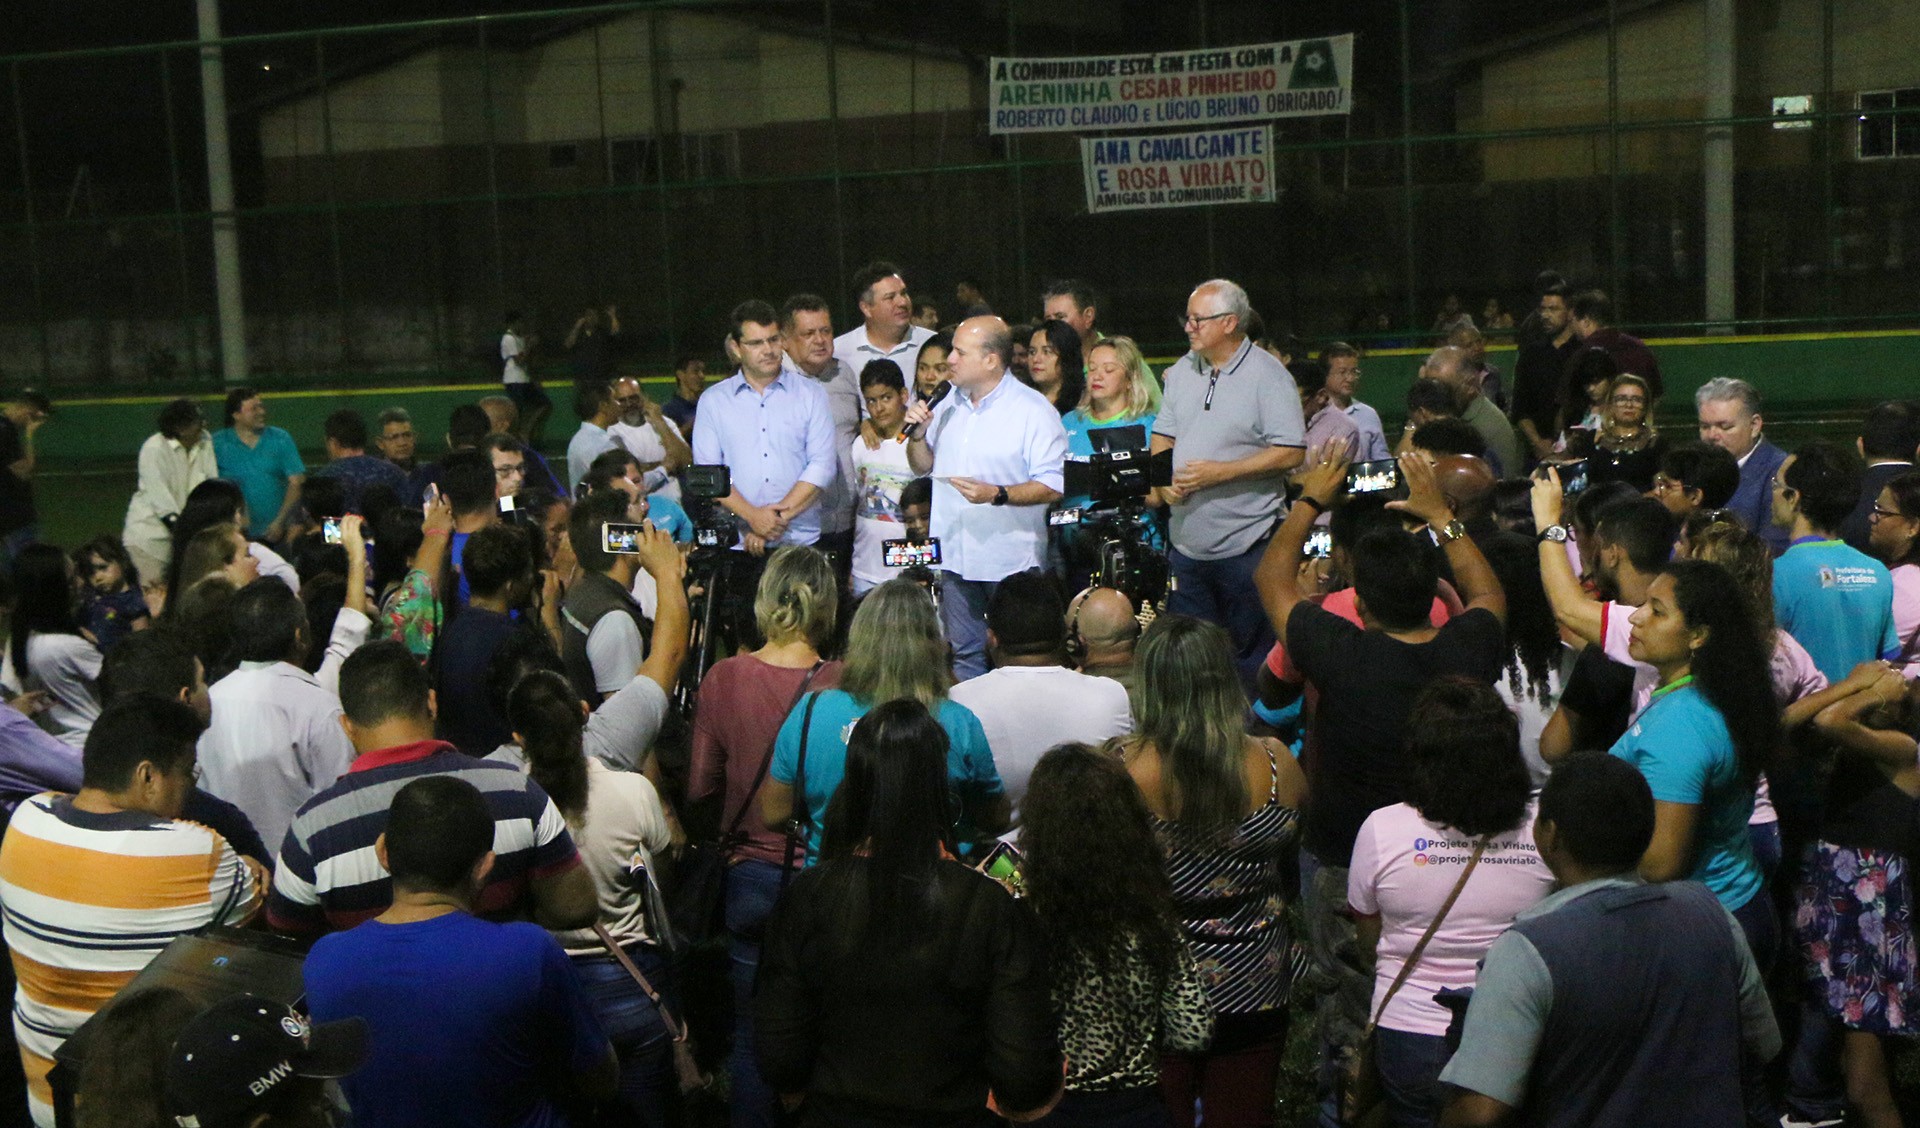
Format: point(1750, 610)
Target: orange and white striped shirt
point(89, 899)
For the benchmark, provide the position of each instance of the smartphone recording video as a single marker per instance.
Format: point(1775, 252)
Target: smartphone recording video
point(1319, 544)
point(1378, 476)
point(1573, 477)
point(910, 553)
point(330, 530)
point(621, 537)
point(1063, 517)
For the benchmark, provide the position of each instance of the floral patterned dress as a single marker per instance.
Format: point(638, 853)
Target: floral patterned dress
point(1854, 917)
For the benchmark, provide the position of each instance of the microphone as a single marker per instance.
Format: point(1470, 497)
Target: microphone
point(913, 432)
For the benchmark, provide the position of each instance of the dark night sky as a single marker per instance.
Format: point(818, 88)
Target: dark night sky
point(107, 113)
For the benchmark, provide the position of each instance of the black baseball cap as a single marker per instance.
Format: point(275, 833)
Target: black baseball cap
point(228, 1061)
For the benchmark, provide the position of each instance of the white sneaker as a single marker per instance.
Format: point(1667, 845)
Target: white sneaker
point(1789, 1120)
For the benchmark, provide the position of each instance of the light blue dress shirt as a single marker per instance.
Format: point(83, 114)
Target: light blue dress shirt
point(1010, 437)
point(769, 441)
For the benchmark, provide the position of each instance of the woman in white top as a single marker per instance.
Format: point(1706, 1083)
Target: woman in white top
point(47, 647)
point(173, 460)
point(619, 827)
point(1467, 790)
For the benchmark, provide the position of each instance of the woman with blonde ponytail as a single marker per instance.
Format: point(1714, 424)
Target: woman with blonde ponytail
point(743, 700)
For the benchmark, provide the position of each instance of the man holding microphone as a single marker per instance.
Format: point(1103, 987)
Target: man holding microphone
point(995, 448)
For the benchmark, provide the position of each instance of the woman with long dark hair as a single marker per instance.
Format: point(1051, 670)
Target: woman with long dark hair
point(1124, 982)
point(1713, 724)
point(1538, 660)
point(619, 826)
point(1055, 366)
point(217, 501)
point(898, 985)
point(1467, 823)
point(1226, 810)
point(49, 653)
point(409, 555)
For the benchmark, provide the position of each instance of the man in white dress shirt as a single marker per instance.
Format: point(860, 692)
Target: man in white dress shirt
point(887, 329)
point(995, 449)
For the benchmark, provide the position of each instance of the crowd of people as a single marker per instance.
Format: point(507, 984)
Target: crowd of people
point(1537, 766)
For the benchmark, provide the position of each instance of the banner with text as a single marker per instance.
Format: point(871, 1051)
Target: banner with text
point(1210, 86)
point(1178, 170)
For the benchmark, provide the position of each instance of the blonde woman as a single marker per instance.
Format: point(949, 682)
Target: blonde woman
point(895, 650)
point(1628, 447)
point(1121, 392)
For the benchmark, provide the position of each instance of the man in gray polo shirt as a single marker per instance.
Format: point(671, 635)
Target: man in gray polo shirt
point(1232, 419)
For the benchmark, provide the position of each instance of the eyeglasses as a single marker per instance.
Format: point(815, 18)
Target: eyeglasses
point(1196, 322)
point(1664, 484)
point(510, 471)
point(1879, 512)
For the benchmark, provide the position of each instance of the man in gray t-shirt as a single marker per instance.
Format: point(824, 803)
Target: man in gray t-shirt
point(1231, 416)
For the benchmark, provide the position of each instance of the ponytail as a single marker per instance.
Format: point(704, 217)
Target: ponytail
point(545, 711)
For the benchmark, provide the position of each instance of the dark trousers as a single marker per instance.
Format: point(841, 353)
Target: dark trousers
point(752, 889)
point(1222, 591)
point(649, 1089)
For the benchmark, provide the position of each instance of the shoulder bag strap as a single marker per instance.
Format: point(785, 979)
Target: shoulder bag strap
point(674, 1026)
point(766, 761)
point(1420, 949)
point(802, 814)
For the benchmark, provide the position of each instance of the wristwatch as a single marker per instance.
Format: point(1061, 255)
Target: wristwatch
point(1000, 496)
point(1556, 534)
point(1448, 533)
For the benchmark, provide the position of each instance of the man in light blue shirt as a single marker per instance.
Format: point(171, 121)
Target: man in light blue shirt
point(263, 461)
point(996, 450)
point(1833, 599)
point(595, 406)
point(773, 430)
point(1342, 362)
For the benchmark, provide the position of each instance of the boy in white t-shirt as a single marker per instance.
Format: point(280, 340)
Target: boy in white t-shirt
point(517, 378)
point(880, 474)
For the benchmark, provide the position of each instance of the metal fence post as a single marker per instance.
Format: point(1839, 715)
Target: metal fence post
point(493, 172)
point(189, 335)
point(1615, 239)
point(1406, 163)
point(333, 201)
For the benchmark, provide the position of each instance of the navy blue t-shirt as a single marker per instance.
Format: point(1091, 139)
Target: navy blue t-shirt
point(470, 1023)
point(469, 718)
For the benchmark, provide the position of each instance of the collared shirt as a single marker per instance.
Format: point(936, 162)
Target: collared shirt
point(358, 473)
point(587, 444)
point(1373, 434)
point(168, 473)
point(274, 740)
point(261, 471)
point(842, 386)
point(1503, 447)
point(328, 876)
point(853, 349)
point(644, 443)
point(1330, 424)
point(1243, 408)
point(1011, 436)
point(770, 441)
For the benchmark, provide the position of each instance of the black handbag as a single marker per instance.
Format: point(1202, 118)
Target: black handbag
point(696, 903)
point(802, 821)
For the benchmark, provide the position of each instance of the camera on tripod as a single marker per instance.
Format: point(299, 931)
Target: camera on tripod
point(714, 529)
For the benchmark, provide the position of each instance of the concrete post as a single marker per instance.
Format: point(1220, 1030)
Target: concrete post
point(1717, 161)
point(226, 226)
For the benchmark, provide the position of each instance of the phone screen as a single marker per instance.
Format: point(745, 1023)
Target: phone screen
point(618, 536)
point(1320, 544)
point(1064, 517)
point(330, 530)
point(910, 553)
point(1373, 477)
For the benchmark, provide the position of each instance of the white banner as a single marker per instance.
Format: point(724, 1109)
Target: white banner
point(1210, 86)
point(1177, 170)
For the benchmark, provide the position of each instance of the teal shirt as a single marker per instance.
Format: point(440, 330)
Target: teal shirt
point(1837, 602)
point(261, 471)
point(1681, 745)
point(670, 518)
point(970, 769)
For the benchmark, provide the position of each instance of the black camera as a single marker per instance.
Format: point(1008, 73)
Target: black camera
point(714, 529)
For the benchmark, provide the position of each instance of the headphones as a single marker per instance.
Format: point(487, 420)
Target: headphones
point(1077, 646)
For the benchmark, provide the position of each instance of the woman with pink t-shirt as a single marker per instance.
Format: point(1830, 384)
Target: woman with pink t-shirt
point(1893, 535)
point(1468, 811)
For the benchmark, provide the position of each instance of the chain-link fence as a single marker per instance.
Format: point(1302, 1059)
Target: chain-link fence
point(401, 187)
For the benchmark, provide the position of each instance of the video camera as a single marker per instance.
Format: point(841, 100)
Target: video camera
point(714, 529)
point(1119, 473)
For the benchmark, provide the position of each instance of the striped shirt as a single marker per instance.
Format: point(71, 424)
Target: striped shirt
point(328, 877)
point(89, 899)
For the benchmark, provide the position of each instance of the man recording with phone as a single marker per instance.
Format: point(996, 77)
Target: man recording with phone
point(996, 451)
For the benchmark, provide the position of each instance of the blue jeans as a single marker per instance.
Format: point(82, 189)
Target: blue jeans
point(649, 1092)
point(1223, 592)
point(752, 889)
point(963, 606)
point(1410, 1066)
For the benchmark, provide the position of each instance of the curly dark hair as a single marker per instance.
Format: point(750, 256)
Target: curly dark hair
point(1731, 667)
point(1464, 769)
point(1095, 874)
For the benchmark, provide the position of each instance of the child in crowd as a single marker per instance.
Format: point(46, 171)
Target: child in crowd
point(880, 473)
point(112, 604)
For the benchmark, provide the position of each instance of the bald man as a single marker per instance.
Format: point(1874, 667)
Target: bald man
point(996, 451)
point(1454, 367)
point(1101, 633)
